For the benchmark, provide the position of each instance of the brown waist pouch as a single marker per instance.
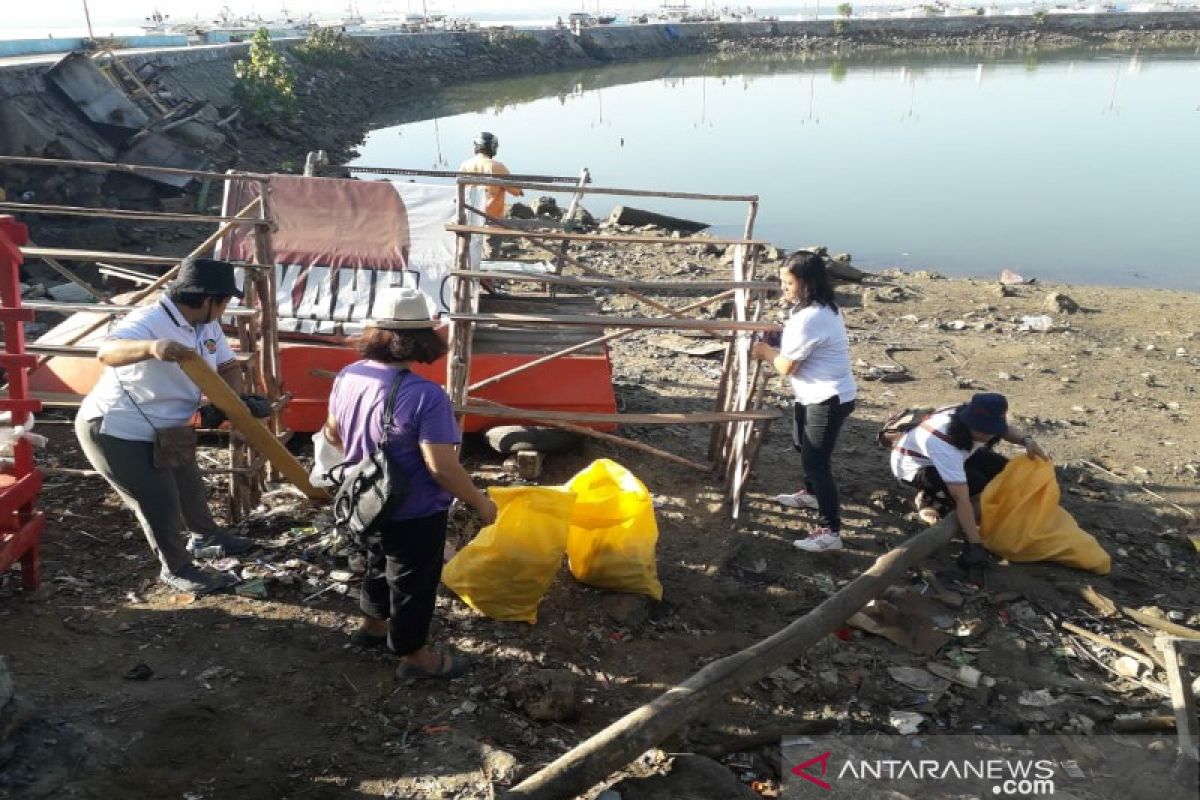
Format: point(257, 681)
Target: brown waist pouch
point(174, 447)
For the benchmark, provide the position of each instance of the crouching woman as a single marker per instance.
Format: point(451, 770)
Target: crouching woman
point(399, 590)
point(950, 456)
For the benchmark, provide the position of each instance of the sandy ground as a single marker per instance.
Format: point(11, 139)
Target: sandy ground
point(253, 698)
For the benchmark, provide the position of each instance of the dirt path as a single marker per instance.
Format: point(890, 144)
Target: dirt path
point(254, 698)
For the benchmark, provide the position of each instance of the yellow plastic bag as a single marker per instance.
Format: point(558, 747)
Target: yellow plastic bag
point(509, 566)
point(1022, 521)
point(613, 532)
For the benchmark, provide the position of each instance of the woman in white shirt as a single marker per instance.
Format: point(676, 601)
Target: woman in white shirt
point(814, 354)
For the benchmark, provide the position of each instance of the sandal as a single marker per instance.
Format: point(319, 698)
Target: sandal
point(451, 666)
point(368, 641)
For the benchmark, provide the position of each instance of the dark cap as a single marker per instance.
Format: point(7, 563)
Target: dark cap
point(206, 276)
point(985, 413)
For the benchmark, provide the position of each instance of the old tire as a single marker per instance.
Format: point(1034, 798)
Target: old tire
point(506, 439)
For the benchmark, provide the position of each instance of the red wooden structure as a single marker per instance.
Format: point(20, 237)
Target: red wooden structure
point(21, 524)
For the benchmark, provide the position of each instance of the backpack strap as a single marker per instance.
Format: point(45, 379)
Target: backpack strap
point(924, 425)
point(389, 405)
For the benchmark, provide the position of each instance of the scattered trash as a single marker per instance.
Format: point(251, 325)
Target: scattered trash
point(1010, 278)
point(918, 679)
point(1040, 698)
point(1041, 323)
point(255, 588)
point(906, 722)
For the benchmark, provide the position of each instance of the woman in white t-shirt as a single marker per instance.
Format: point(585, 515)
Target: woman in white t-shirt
point(814, 354)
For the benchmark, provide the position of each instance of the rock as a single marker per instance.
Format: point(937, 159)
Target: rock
point(1058, 302)
point(627, 610)
point(69, 293)
point(691, 778)
point(1005, 291)
point(1128, 666)
point(140, 671)
point(549, 695)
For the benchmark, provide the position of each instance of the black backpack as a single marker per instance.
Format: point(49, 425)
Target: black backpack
point(367, 491)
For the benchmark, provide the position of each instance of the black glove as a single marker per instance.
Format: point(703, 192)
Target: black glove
point(973, 555)
point(211, 416)
point(259, 406)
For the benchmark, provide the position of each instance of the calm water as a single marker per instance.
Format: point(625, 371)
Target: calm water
point(1078, 167)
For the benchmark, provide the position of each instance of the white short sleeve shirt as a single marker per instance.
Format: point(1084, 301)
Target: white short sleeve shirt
point(920, 447)
point(136, 399)
point(815, 338)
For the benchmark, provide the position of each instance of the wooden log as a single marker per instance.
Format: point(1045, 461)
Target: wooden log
point(483, 180)
point(622, 238)
point(598, 321)
point(621, 742)
point(258, 437)
point(637, 217)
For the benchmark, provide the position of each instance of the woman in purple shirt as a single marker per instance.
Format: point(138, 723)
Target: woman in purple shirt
point(399, 589)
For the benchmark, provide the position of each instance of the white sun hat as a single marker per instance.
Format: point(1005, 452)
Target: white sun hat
point(400, 308)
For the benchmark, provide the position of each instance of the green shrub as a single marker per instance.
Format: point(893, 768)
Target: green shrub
point(263, 83)
point(328, 47)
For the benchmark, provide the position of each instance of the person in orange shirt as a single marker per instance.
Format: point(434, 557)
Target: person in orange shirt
point(484, 163)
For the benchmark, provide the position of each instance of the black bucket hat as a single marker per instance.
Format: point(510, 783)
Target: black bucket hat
point(206, 276)
point(986, 413)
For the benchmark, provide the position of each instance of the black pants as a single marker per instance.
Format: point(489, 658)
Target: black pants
point(403, 572)
point(983, 465)
point(815, 430)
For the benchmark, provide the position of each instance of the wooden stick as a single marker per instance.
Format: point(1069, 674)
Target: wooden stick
point(1179, 685)
point(606, 437)
point(58, 267)
point(483, 180)
point(1103, 604)
point(97, 255)
point(619, 283)
point(597, 321)
point(621, 742)
point(575, 348)
point(616, 238)
point(113, 213)
point(1104, 641)
point(1159, 723)
point(684, 418)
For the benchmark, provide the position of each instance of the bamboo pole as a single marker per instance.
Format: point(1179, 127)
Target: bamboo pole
point(458, 366)
point(110, 309)
point(616, 238)
point(483, 180)
point(575, 348)
point(142, 294)
point(605, 437)
point(581, 768)
point(114, 213)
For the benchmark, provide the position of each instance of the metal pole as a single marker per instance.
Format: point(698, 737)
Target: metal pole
point(88, 17)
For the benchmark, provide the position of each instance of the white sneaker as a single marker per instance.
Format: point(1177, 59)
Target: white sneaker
point(801, 499)
point(819, 540)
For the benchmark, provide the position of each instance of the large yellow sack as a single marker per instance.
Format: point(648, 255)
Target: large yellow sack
point(613, 531)
point(509, 566)
point(1022, 521)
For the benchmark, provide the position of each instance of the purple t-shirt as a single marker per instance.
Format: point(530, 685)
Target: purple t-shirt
point(423, 413)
